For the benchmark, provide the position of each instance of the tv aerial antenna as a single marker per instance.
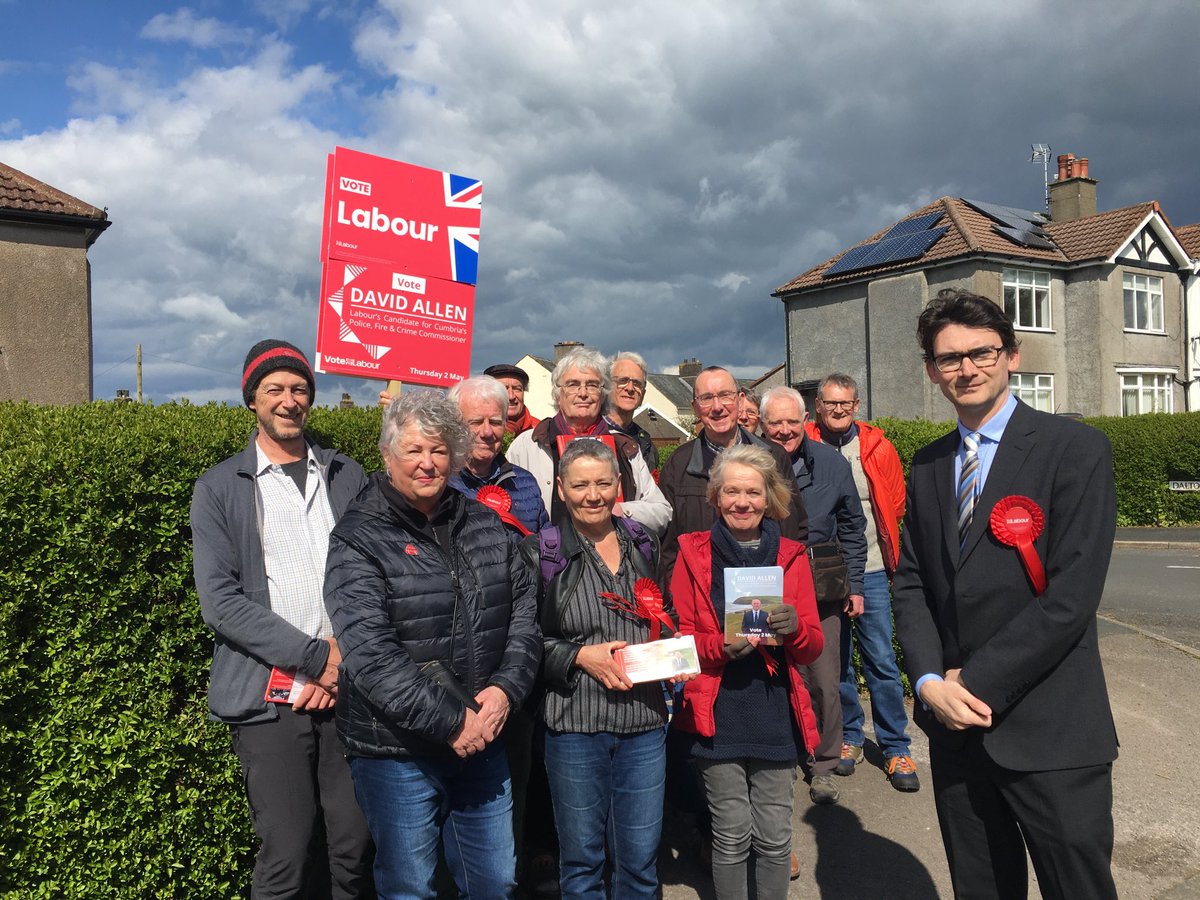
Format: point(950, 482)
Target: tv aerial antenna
point(1041, 153)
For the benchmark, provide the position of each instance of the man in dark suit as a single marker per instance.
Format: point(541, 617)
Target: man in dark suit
point(754, 620)
point(1011, 688)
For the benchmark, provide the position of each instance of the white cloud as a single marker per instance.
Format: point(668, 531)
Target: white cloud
point(185, 26)
point(203, 308)
point(731, 281)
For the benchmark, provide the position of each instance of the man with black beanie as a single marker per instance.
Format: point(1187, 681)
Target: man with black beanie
point(260, 530)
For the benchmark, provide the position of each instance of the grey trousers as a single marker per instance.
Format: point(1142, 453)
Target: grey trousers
point(751, 805)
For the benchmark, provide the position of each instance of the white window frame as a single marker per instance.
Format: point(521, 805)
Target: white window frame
point(1138, 381)
point(1036, 285)
point(1151, 286)
point(1033, 389)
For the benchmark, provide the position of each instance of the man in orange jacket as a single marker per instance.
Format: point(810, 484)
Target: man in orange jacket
point(880, 481)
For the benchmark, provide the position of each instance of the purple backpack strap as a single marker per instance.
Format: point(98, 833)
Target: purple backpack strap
point(550, 552)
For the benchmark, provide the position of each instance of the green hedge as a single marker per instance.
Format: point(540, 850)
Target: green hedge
point(113, 783)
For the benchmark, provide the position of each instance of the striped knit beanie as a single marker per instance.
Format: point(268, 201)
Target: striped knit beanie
point(269, 355)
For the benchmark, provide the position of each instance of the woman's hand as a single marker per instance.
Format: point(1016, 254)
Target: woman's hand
point(493, 710)
point(784, 621)
point(597, 660)
point(740, 647)
point(471, 736)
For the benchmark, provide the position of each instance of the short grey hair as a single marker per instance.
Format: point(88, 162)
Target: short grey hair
point(628, 356)
point(586, 360)
point(782, 392)
point(588, 448)
point(481, 387)
point(837, 379)
point(435, 415)
point(753, 397)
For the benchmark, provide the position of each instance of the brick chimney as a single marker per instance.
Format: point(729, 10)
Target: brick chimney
point(690, 368)
point(562, 348)
point(1073, 193)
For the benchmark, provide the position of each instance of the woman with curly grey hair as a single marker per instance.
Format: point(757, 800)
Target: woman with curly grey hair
point(435, 615)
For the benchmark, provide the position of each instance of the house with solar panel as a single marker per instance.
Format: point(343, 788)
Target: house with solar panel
point(1099, 301)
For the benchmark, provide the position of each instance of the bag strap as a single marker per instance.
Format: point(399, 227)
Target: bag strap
point(550, 552)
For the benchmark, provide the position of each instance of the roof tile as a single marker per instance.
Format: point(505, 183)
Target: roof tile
point(19, 191)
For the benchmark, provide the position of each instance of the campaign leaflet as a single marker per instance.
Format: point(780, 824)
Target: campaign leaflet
point(751, 594)
point(418, 220)
point(659, 660)
point(284, 686)
point(376, 321)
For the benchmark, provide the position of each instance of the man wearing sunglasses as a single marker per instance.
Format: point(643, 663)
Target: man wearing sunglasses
point(879, 478)
point(1006, 543)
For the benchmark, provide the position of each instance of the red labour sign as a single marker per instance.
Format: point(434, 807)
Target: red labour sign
point(377, 321)
point(414, 219)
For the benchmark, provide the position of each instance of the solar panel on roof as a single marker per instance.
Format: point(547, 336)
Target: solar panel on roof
point(1026, 238)
point(885, 251)
point(849, 261)
point(908, 226)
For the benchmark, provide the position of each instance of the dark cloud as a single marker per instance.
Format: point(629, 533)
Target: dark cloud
point(651, 174)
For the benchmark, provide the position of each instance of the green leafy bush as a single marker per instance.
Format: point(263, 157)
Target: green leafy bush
point(113, 782)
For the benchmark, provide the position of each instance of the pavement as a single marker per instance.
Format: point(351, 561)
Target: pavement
point(1158, 538)
point(878, 843)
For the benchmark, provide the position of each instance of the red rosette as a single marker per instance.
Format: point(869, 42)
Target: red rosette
point(1017, 521)
point(498, 500)
point(650, 606)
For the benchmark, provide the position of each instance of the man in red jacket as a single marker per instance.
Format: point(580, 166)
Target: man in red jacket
point(880, 481)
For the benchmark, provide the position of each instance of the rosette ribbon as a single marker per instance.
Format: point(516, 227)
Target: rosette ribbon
point(647, 603)
point(497, 499)
point(1017, 521)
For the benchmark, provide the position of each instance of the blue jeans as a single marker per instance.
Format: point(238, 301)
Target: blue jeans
point(607, 787)
point(410, 802)
point(874, 631)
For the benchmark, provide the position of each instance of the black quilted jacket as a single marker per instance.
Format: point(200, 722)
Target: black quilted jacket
point(398, 600)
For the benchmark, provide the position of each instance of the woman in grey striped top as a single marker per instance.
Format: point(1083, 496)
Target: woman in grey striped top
point(604, 742)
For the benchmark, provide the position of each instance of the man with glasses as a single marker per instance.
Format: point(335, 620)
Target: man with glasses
point(516, 382)
point(628, 375)
point(748, 410)
point(879, 479)
point(1006, 543)
point(684, 478)
point(581, 387)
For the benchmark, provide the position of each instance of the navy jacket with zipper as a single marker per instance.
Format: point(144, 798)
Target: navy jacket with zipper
point(398, 599)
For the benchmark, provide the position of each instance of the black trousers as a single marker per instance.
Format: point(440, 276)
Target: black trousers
point(989, 815)
point(295, 769)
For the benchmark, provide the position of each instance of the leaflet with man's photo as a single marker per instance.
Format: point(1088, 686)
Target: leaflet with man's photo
point(751, 595)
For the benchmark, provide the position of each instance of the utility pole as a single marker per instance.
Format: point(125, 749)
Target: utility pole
point(139, 373)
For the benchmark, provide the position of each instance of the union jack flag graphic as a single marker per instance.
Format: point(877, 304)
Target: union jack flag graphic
point(463, 193)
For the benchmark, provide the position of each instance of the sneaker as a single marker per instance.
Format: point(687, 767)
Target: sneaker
point(794, 872)
point(822, 790)
point(902, 773)
point(851, 756)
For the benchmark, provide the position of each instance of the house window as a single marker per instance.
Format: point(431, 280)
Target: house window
point(1027, 298)
point(1035, 390)
point(1147, 392)
point(1143, 302)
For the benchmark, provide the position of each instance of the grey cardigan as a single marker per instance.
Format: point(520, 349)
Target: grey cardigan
point(231, 580)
